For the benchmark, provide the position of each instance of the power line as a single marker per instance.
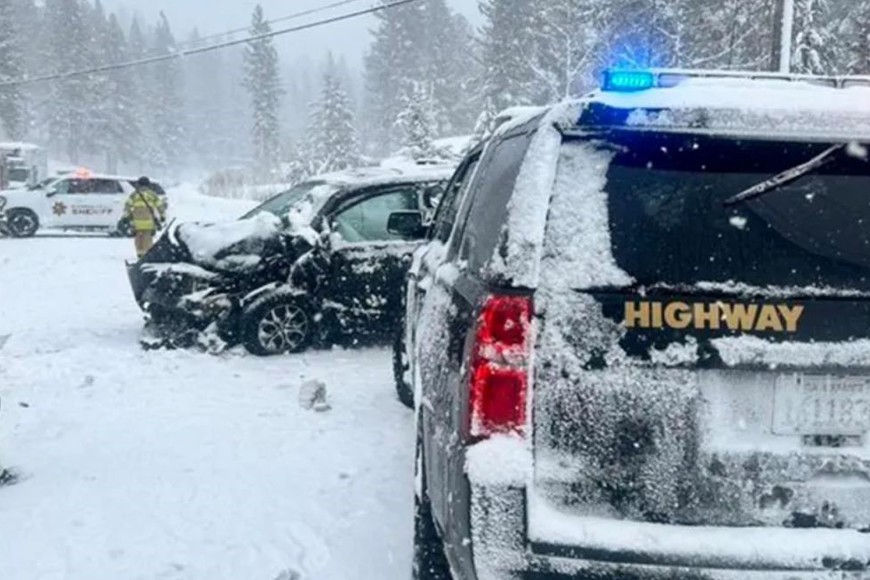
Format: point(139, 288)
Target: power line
point(294, 16)
point(210, 48)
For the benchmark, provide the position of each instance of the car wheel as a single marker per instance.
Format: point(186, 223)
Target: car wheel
point(22, 223)
point(276, 324)
point(401, 366)
point(430, 561)
point(124, 229)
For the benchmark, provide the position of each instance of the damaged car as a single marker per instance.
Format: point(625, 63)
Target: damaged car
point(643, 349)
point(320, 264)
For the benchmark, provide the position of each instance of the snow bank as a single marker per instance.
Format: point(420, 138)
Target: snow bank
point(180, 466)
point(187, 204)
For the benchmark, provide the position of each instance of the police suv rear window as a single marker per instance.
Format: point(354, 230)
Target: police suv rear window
point(669, 222)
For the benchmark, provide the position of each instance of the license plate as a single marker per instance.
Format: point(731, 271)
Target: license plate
point(821, 405)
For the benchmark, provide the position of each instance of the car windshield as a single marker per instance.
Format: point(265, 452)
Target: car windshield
point(282, 203)
point(669, 222)
point(19, 174)
point(44, 184)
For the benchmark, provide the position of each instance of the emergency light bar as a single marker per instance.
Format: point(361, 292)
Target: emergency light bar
point(626, 81)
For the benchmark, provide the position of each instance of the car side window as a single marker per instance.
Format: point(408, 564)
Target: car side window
point(492, 193)
point(107, 186)
point(81, 186)
point(366, 221)
point(61, 187)
point(449, 207)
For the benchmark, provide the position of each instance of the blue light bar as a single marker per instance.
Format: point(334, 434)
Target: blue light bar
point(628, 81)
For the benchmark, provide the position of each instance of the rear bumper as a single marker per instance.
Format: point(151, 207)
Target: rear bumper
point(517, 534)
point(510, 542)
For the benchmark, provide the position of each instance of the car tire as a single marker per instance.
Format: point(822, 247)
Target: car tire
point(124, 229)
point(404, 390)
point(22, 223)
point(277, 323)
point(430, 561)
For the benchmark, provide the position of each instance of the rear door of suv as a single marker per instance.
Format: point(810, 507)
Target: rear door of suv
point(699, 363)
point(456, 292)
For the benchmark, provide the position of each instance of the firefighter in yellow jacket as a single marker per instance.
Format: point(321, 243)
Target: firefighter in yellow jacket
point(146, 211)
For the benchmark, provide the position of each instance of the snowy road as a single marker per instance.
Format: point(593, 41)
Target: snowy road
point(178, 465)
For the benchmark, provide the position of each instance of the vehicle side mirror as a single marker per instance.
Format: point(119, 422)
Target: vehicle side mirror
point(51, 193)
point(407, 224)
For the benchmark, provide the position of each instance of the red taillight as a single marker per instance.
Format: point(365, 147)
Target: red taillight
point(499, 373)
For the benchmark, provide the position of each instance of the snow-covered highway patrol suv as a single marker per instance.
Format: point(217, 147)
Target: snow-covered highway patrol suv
point(644, 352)
point(79, 201)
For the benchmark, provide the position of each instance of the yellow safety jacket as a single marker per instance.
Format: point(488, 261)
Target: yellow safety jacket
point(144, 208)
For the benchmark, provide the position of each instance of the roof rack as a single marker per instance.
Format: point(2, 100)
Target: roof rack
point(643, 79)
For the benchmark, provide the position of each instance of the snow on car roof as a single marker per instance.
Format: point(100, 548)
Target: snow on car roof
point(748, 107)
point(385, 175)
point(9, 145)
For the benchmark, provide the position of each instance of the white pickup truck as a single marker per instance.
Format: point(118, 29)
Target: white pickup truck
point(80, 201)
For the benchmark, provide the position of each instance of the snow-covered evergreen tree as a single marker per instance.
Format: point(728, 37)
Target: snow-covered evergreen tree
point(859, 47)
point(123, 129)
point(394, 62)
point(263, 83)
point(66, 111)
point(166, 145)
point(98, 122)
point(417, 123)
point(568, 43)
point(141, 96)
point(12, 114)
point(449, 67)
point(812, 37)
point(507, 41)
point(332, 143)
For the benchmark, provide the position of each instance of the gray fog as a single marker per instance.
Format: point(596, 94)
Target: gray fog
point(215, 16)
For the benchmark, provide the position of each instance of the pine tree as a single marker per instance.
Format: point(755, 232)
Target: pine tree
point(11, 68)
point(166, 149)
point(140, 94)
point(332, 143)
point(859, 47)
point(568, 43)
point(394, 62)
point(98, 122)
point(417, 123)
point(445, 54)
point(123, 130)
point(66, 113)
point(32, 31)
point(263, 83)
point(812, 37)
point(507, 39)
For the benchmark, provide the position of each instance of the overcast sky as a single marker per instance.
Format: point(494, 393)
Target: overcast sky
point(215, 16)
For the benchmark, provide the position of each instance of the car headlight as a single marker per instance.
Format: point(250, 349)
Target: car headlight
point(2, 202)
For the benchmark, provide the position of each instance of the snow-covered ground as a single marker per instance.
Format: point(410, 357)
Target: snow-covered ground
point(178, 465)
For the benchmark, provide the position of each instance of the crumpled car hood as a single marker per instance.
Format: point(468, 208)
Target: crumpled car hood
point(236, 245)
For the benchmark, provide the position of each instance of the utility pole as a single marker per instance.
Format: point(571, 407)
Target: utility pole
point(786, 36)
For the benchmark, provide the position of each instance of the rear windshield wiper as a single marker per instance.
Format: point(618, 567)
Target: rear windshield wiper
point(786, 177)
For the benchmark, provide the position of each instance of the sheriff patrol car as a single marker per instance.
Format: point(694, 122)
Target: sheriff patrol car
point(81, 201)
